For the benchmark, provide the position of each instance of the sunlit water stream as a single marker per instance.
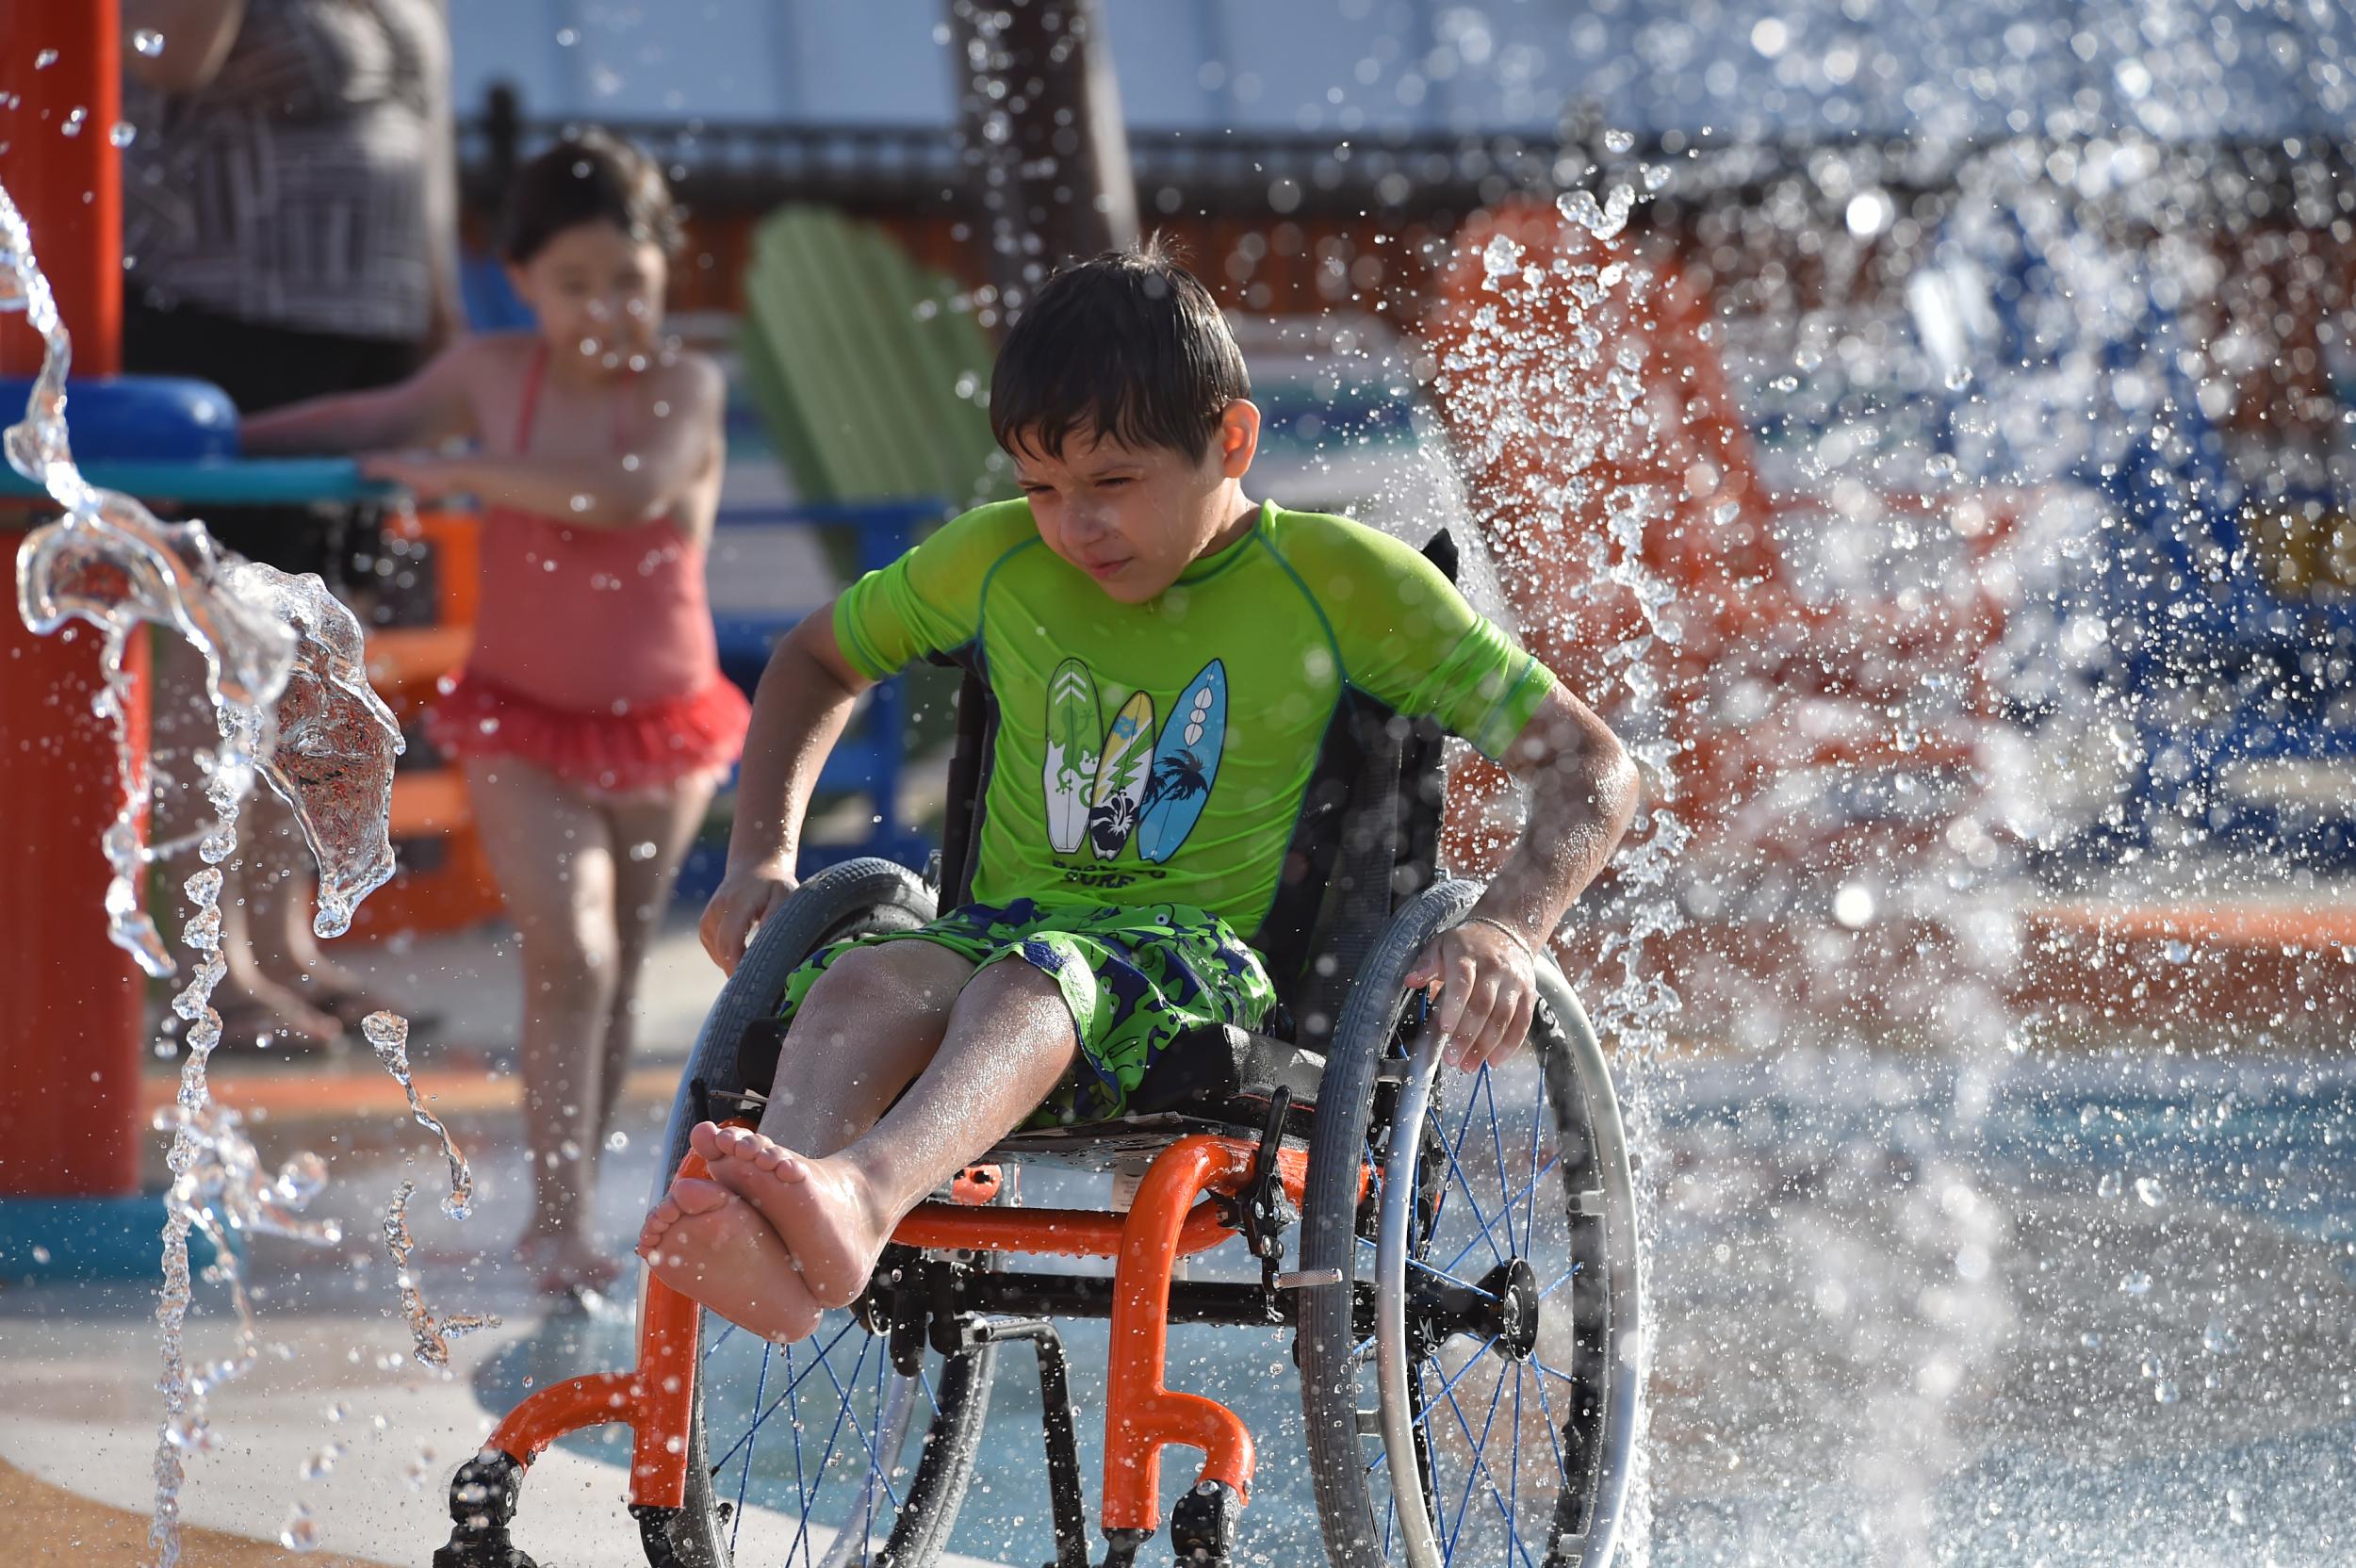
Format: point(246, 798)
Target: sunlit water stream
point(283, 672)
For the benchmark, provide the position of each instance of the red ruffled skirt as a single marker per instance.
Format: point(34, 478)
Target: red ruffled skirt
point(648, 749)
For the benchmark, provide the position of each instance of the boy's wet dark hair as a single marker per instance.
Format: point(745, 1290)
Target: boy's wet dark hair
point(586, 178)
point(1129, 346)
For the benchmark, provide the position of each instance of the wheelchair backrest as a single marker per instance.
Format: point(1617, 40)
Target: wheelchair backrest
point(1367, 840)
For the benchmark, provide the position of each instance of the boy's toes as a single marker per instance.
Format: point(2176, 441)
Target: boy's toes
point(690, 1195)
point(658, 1220)
point(707, 1139)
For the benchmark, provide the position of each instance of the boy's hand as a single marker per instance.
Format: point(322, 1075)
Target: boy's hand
point(1488, 991)
point(746, 896)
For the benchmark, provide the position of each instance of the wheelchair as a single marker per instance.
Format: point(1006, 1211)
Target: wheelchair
point(1456, 1255)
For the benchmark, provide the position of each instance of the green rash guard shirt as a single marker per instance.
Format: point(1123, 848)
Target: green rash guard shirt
point(1161, 752)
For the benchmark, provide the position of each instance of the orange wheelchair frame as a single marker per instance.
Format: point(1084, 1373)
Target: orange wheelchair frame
point(1196, 1193)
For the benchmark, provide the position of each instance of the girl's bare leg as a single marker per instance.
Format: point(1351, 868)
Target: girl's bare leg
point(650, 837)
point(552, 852)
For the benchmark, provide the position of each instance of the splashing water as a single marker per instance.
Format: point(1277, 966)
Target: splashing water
point(432, 1334)
point(284, 671)
point(388, 1036)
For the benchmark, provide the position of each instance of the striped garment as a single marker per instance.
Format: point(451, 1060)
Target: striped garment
point(293, 189)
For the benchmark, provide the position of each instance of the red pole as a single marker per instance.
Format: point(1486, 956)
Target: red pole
point(69, 1000)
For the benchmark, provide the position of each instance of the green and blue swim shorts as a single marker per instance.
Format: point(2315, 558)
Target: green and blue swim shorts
point(1134, 978)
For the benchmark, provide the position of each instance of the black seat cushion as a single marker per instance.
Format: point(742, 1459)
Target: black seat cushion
point(1215, 1069)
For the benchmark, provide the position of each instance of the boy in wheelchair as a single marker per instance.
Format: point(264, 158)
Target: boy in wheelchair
point(1166, 658)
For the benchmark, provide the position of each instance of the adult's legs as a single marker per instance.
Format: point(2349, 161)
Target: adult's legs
point(650, 835)
point(1010, 1038)
point(253, 1006)
point(281, 890)
point(548, 846)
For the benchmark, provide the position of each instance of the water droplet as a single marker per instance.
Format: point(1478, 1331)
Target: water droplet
point(148, 41)
point(1958, 377)
point(1500, 257)
point(615, 1141)
point(1853, 906)
point(2164, 1390)
point(123, 134)
point(2111, 1185)
point(74, 122)
point(2218, 1339)
point(301, 1534)
point(2148, 1192)
point(2135, 1285)
point(567, 37)
point(40, 1255)
point(43, 60)
point(1618, 141)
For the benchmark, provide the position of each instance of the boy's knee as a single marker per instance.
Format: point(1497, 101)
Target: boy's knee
point(894, 976)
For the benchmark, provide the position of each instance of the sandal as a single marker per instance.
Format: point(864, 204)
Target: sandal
point(250, 1027)
point(350, 1006)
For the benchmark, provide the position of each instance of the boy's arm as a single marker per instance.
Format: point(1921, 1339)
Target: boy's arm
point(1582, 796)
point(798, 712)
point(676, 448)
point(430, 406)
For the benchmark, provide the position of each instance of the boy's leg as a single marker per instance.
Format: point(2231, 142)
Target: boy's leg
point(1010, 1040)
point(870, 1024)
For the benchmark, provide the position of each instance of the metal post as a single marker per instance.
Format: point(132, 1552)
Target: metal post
point(70, 1001)
point(1045, 152)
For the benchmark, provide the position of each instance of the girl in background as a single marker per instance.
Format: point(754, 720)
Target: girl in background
point(591, 718)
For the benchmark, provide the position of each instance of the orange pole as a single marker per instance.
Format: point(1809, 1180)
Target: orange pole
point(69, 1000)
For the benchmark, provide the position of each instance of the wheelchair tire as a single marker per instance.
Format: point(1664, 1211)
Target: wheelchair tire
point(1508, 1407)
point(871, 1412)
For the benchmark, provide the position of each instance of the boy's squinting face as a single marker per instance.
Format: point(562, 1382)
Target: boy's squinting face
point(1135, 517)
point(596, 292)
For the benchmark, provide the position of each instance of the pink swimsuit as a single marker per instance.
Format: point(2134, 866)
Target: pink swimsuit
point(594, 656)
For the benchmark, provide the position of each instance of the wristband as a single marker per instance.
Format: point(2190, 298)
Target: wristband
point(1519, 940)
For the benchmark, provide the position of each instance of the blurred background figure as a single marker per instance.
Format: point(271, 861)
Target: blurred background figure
point(289, 214)
point(591, 717)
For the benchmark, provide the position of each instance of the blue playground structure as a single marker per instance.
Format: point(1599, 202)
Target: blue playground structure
point(2231, 688)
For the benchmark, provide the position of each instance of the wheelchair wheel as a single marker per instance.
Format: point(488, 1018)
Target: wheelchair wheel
point(822, 1454)
point(1498, 1340)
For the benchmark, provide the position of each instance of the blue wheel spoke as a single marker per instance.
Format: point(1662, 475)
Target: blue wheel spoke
point(1444, 1274)
point(744, 1478)
point(1554, 1432)
point(793, 1381)
point(1560, 1280)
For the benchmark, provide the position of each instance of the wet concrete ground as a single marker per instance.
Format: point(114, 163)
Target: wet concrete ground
point(2072, 1306)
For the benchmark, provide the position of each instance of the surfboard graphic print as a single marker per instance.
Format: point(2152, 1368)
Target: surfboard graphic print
point(1121, 777)
point(1075, 729)
point(1186, 765)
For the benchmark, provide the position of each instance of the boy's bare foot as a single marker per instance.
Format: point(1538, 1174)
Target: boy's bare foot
point(708, 1244)
point(819, 1208)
